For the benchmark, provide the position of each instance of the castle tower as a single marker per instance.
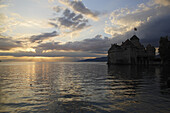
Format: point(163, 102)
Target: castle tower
point(135, 40)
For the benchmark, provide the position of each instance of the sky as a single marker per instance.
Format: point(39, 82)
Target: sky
point(72, 30)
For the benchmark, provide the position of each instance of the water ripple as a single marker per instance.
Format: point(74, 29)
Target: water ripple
point(83, 87)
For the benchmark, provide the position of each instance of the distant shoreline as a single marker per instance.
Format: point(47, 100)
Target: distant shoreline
point(101, 59)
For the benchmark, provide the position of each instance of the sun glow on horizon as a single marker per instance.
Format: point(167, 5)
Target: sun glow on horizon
point(41, 59)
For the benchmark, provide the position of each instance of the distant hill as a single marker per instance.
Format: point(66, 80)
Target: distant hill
point(102, 59)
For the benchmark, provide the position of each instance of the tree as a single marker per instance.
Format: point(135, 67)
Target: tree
point(164, 50)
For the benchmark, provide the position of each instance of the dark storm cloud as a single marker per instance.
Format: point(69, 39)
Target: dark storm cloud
point(42, 36)
point(81, 26)
point(67, 13)
point(67, 23)
point(72, 21)
point(78, 17)
point(7, 43)
point(149, 32)
point(80, 7)
point(154, 24)
point(152, 31)
point(96, 44)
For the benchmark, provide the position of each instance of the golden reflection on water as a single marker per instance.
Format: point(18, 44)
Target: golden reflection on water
point(66, 84)
point(24, 85)
point(16, 84)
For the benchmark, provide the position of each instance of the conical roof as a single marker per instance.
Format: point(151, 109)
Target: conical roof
point(134, 37)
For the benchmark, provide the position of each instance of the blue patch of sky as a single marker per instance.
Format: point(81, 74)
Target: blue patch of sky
point(110, 5)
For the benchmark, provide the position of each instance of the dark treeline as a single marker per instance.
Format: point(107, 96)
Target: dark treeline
point(164, 50)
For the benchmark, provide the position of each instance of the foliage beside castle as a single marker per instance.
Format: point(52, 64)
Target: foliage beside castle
point(131, 52)
point(164, 50)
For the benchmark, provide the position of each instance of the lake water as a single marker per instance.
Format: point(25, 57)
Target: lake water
point(83, 88)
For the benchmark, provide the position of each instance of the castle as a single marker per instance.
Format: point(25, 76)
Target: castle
point(131, 52)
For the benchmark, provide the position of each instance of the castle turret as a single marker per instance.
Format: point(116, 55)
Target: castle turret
point(135, 40)
point(150, 50)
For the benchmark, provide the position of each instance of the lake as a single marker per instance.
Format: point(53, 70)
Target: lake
point(81, 87)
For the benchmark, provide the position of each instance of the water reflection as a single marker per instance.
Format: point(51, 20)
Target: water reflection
point(82, 87)
point(165, 80)
point(132, 72)
point(133, 75)
point(144, 83)
point(142, 75)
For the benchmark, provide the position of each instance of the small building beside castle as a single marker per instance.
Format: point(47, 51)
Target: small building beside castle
point(131, 52)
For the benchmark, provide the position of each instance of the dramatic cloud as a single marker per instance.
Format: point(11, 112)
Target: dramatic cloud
point(152, 23)
point(43, 36)
point(96, 45)
point(70, 22)
point(124, 20)
point(153, 30)
point(79, 7)
point(6, 43)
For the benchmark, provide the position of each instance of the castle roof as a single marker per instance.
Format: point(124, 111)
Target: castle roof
point(128, 43)
point(114, 46)
point(134, 37)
